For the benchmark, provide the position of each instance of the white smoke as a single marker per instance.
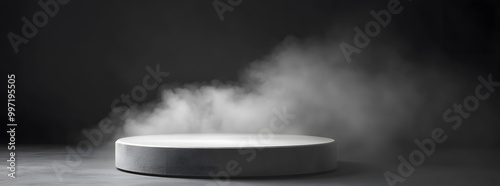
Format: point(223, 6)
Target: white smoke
point(328, 96)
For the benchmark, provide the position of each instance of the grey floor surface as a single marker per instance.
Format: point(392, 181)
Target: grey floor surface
point(445, 167)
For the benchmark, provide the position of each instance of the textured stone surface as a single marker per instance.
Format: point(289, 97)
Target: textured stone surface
point(225, 155)
point(445, 167)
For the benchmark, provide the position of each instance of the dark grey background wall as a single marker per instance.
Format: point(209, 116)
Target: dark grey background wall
point(91, 52)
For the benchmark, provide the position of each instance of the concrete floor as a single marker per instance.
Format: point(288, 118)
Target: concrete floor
point(467, 167)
